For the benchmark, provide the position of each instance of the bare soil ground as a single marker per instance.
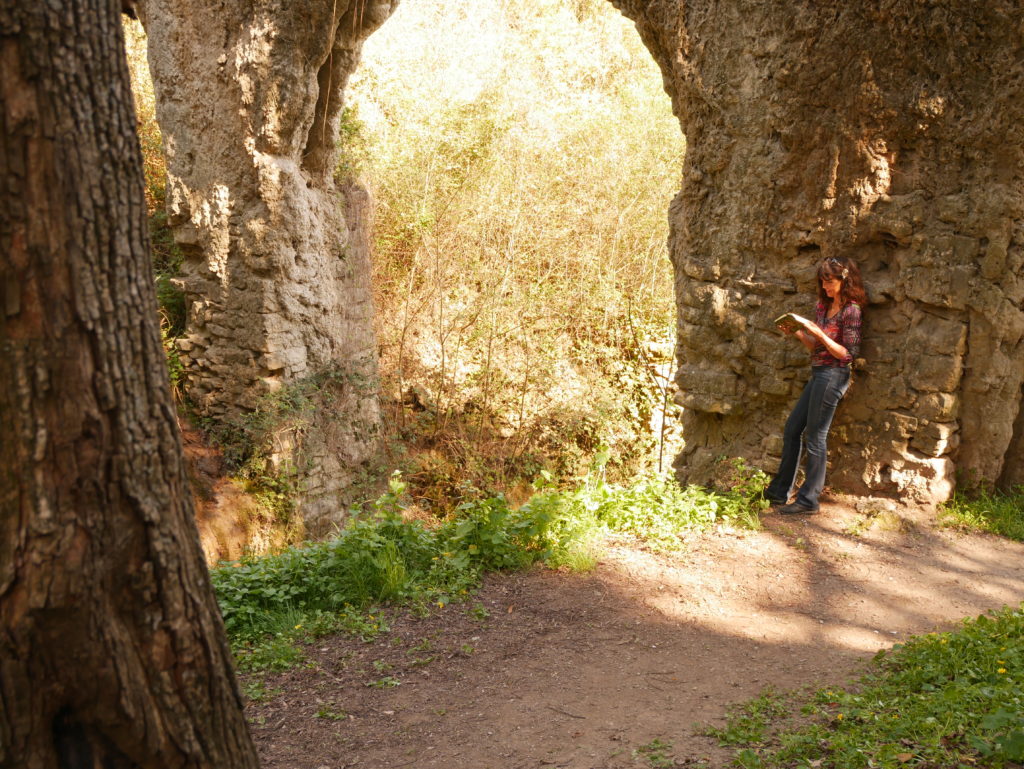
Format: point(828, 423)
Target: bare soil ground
point(578, 672)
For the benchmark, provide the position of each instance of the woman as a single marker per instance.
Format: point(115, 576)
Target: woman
point(833, 341)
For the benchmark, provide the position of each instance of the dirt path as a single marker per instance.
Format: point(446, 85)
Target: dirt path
point(580, 671)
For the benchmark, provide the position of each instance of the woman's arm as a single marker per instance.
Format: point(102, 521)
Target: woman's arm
point(806, 338)
point(850, 333)
point(835, 349)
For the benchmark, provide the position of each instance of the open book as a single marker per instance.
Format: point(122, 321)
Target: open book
point(791, 322)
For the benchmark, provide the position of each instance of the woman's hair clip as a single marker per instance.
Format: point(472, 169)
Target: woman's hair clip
point(833, 260)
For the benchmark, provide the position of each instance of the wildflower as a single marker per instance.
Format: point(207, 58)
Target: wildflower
point(298, 626)
point(942, 641)
point(839, 716)
point(1001, 671)
point(440, 604)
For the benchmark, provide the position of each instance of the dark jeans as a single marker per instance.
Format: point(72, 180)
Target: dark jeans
point(807, 430)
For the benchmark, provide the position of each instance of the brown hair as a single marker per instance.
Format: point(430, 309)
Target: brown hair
point(845, 269)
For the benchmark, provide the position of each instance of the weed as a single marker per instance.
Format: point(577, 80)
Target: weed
point(479, 612)
point(271, 601)
point(387, 682)
point(269, 654)
point(746, 723)
point(657, 752)
point(424, 645)
point(330, 712)
point(255, 690)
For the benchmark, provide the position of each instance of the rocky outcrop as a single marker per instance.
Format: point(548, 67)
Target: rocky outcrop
point(276, 276)
point(890, 132)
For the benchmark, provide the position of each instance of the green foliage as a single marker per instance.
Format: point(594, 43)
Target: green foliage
point(951, 699)
point(272, 601)
point(657, 753)
point(983, 509)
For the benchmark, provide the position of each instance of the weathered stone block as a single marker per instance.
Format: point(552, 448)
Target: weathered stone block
point(934, 438)
point(938, 407)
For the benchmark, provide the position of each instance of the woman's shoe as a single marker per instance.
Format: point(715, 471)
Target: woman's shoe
point(795, 509)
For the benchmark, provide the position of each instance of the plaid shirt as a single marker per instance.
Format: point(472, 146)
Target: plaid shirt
point(843, 328)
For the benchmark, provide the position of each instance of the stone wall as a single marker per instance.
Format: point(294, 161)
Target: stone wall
point(889, 132)
point(277, 272)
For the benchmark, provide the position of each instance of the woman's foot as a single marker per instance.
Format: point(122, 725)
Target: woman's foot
point(795, 509)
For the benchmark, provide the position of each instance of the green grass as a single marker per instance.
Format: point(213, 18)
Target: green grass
point(952, 699)
point(272, 602)
point(985, 510)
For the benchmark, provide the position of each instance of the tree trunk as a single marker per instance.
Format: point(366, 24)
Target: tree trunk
point(112, 652)
point(889, 132)
point(277, 274)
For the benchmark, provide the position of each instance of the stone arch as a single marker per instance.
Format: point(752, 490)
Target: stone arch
point(813, 128)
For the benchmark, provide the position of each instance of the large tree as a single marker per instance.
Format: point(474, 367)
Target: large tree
point(249, 98)
point(889, 131)
point(112, 651)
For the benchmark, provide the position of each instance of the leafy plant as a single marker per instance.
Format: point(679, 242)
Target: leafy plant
point(746, 723)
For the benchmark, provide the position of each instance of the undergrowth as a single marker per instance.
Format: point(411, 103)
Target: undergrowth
point(998, 512)
point(949, 700)
point(525, 293)
point(271, 602)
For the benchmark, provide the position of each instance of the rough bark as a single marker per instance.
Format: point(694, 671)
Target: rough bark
point(890, 132)
point(112, 651)
point(277, 276)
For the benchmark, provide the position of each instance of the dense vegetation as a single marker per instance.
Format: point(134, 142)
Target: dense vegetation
point(525, 292)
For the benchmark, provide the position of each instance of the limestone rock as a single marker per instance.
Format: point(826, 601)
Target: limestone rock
point(249, 96)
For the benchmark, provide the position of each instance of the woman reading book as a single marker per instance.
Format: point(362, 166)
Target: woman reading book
point(833, 340)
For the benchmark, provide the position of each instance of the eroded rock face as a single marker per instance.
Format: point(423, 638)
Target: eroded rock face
point(277, 273)
point(890, 132)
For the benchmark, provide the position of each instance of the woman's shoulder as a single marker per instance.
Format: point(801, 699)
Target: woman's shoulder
point(852, 310)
